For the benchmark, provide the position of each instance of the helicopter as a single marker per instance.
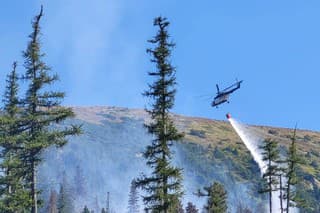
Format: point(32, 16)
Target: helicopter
point(223, 96)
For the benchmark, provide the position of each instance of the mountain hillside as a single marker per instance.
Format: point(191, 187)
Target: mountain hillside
point(109, 155)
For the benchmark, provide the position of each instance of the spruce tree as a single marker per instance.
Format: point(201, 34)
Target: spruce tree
point(133, 206)
point(270, 154)
point(191, 208)
point(163, 186)
point(65, 200)
point(217, 198)
point(42, 110)
point(13, 195)
point(293, 161)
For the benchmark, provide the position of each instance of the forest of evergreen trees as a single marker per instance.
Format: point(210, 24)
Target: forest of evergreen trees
point(28, 128)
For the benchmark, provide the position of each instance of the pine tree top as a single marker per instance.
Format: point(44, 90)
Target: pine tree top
point(10, 99)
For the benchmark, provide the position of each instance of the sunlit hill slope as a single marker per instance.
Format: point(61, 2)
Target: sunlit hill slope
point(109, 154)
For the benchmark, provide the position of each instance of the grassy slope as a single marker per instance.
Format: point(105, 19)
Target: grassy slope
point(220, 142)
point(221, 134)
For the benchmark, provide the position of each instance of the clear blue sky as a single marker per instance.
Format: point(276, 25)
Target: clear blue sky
point(98, 49)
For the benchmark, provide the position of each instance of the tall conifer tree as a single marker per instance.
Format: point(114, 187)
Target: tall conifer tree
point(13, 196)
point(42, 110)
point(270, 154)
point(293, 161)
point(163, 186)
point(65, 199)
point(133, 205)
point(9, 131)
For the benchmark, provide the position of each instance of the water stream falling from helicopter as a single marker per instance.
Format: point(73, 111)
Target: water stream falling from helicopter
point(252, 141)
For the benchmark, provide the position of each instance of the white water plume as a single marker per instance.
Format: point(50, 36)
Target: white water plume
point(253, 141)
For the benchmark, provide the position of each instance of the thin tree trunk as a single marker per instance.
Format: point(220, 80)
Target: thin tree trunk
point(288, 195)
point(34, 208)
point(8, 174)
point(270, 189)
point(281, 204)
point(165, 192)
point(165, 180)
point(270, 199)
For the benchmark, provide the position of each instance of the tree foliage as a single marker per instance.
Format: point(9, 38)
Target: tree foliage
point(176, 207)
point(42, 109)
point(270, 154)
point(217, 198)
point(65, 199)
point(133, 205)
point(14, 197)
point(85, 210)
point(163, 186)
point(293, 161)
